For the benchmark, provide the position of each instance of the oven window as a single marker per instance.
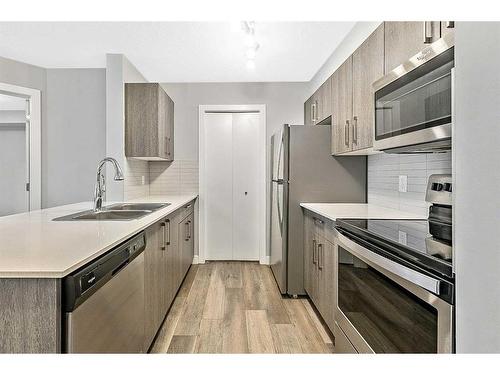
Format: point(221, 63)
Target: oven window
point(418, 100)
point(389, 318)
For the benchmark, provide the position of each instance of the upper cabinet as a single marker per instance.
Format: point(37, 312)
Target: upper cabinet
point(352, 96)
point(318, 108)
point(342, 108)
point(149, 122)
point(405, 39)
point(367, 67)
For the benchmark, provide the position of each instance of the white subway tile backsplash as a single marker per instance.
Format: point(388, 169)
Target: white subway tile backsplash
point(383, 177)
point(177, 177)
point(133, 171)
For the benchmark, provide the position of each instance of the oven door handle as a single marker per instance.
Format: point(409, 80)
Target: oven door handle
point(429, 283)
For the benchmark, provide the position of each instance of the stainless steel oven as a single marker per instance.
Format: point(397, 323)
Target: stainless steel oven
point(413, 103)
point(386, 307)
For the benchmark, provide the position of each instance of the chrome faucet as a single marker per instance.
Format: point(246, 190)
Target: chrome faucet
point(100, 184)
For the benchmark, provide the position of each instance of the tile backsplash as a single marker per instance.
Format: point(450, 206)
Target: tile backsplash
point(160, 178)
point(383, 179)
point(134, 170)
point(177, 177)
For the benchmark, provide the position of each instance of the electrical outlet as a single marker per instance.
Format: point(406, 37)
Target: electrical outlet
point(403, 184)
point(143, 180)
point(402, 238)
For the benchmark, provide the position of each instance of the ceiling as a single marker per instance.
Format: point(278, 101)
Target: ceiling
point(178, 51)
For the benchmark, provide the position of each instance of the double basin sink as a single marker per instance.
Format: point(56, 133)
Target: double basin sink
point(118, 211)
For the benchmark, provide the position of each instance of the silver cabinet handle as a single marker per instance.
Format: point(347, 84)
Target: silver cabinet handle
point(346, 134)
point(190, 229)
point(321, 254)
point(163, 243)
point(427, 33)
point(188, 206)
point(355, 130)
point(186, 233)
point(449, 24)
point(314, 252)
point(168, 238)
point(313, 105)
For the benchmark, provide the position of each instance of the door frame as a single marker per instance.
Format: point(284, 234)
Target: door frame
point(231, 108)
point(35, 153)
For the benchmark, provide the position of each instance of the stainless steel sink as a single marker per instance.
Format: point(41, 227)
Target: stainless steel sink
point(118, 211)
point(109, 215)
point(136, 206)
point(112, 215)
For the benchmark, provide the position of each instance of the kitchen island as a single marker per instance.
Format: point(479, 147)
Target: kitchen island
point(36, 253)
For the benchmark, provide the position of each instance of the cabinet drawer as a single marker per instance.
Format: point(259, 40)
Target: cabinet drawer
point(342, 343)
point(186, 210)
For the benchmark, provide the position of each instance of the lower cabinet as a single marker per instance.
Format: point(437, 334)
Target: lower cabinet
point(319, 269)
point(168, 255)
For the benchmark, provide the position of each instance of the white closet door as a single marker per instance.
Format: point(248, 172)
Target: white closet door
point(245, 186)
point(219, 189)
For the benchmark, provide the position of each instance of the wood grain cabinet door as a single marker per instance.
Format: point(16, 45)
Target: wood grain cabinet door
point(327, 283)
point(367, 67)
point(308, 252)
point(405, 39)
point(342, 107)
point(154, 288)
point(325, 106)
point(308, 119)
point(148, 122)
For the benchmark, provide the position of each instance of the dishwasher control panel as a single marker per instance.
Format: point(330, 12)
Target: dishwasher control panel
point(84, 282)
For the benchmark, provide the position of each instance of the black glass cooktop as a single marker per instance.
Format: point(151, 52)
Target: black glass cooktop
point(408, 239)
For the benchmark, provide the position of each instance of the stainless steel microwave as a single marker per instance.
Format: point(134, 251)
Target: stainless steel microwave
point(413, 103)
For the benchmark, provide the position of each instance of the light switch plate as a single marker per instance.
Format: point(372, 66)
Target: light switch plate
point(402, 237)
point(403, 184)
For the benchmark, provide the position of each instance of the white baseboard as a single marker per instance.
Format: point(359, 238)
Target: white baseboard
point(266, 260)
point(197, 260)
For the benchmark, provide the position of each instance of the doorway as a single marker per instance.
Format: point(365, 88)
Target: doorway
point(232, 182)
point(19, 149)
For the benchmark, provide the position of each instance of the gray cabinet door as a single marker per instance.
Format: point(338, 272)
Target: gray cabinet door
point(154, 288)
point(148, 122)
point(447, 27)
point(405, 39)
point(342, 107)
point(326, 282)
point(308, 252)
point(308, 114)
point(367, 67)
point(325, 100)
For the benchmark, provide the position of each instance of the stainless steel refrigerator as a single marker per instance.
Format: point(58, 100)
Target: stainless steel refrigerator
point(303, 170)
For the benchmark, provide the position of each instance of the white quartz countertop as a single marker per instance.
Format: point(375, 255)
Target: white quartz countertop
point(32, 245)
point(334, 211)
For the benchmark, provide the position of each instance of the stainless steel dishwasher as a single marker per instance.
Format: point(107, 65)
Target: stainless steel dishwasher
point(104, 302)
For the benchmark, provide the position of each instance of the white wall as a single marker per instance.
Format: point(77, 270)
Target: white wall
point(477, 187)
point(284, 104)
point(120, 70)
point(74, 134)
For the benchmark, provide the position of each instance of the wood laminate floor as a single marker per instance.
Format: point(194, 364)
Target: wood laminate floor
point(236, 307)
